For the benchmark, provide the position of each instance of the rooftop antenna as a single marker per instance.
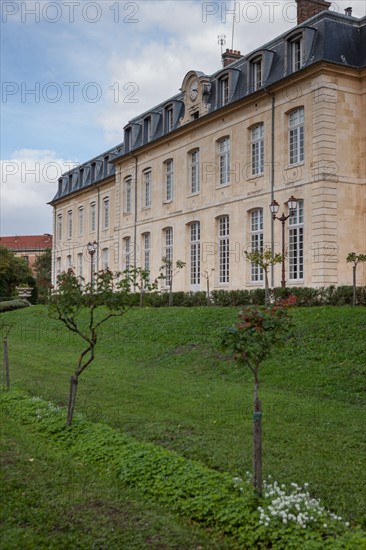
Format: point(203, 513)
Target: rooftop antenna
point(221, 40)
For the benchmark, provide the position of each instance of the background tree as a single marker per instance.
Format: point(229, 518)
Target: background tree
point(251, 341)
point(355, 259)
point(42, 267)
point(13, 272)
point(264, 259)
point(139, 278)
point(83, 309)
point(170, 269)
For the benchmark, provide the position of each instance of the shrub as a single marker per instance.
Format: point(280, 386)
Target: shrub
point(11, 305)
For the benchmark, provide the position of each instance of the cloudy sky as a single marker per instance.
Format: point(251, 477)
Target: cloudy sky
point(74, 72)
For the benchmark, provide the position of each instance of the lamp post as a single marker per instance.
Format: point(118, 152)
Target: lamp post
point(274, 208)
point(92, 248)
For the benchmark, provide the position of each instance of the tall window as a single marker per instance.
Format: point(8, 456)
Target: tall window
point(80, 265)
point(224, 244)
point(169, 119)
point(146, 199)
point(93, 219)
point(127, 252)
point(59, 227)
point(105, 258)
point(147, 249)
point(195, 171)
point(296, 54)
point(257, 74)
point(58, 266)
point(256, 242)
point(296, 136)
point(106, 213)
point(169, 180)
point(195, 253)
point(224, 91)
point(257, 144)
point(224, 155)
point(69, 224)
point(168, 254)
point(68, 262)
point(128, 195)
point(106, 166)
point(147, 129)
point(296, 243)
point(81, 220)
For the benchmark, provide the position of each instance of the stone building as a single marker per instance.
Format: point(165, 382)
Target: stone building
point(195, 175)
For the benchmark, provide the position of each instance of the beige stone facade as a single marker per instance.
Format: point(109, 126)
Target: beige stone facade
point(200, 191)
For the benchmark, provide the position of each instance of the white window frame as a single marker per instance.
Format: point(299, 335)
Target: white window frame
point(256, 67)
point(127, 252)
point(68, 262)
point(93, 216)
point(106, 212)
point(105, 259)
point(146, 237)
point(147, 185)
point(59, 227)
point(127, 184)
point(169, 180)
point(147, 129)
point(194, 171)
point(296, 244)
point(257, 149)
point(81, 220)
point(224, 249)
point(195, 255)
point(224, 161)
point(69, 224)
point(58, 265)
point(296, 136)
point(169, 118)
point(224, 90)
point(80, 265)
point(256, 243)
point(168, 253)
point(296, 52)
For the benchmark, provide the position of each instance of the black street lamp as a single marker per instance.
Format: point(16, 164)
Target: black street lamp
point(92, 248)
point(274, 208)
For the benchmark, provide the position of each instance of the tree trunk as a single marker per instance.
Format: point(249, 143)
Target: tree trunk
point(72, 399)
point(208, 292)
point(171, 291)
point(354, 285)
point(266, 289)
point(6, 364)
point(257, 442)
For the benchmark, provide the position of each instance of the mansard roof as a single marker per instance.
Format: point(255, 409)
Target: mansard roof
point(328, 36)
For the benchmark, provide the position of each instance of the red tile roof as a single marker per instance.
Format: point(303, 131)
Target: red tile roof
point(27, 242)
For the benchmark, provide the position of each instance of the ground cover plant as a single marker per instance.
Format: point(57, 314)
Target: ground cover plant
point(161, 377)
point(225, 504)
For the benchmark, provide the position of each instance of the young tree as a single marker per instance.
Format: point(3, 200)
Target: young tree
point(264, 259)
point(140, 278)
point(251, 341)
point(84, 309)
point(42, 267)
point(355, 259)
point(170, 269)
point(13, 272)
point(206, 274)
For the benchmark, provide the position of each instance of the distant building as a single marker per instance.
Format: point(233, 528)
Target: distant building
point(195, 175)
point(28, 247)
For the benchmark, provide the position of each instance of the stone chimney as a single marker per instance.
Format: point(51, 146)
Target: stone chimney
point(229, 56)
point(309, 8)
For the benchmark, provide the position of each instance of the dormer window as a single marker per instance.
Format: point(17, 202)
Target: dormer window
point(81, 176)
point(256, 73)
point(169, 118)
point(127, 140)
point(105, 166)
point(147, 129)
point(224, 91)
point(296, 53)
point(92, 172)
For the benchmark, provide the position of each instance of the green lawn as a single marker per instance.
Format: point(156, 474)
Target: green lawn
point(160, 375)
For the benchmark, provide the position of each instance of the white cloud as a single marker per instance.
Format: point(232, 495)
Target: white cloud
point(28, 181)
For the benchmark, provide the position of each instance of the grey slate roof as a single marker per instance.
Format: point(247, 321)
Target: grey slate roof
point(328, 36)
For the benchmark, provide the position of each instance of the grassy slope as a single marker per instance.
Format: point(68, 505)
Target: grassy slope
point(160, 375)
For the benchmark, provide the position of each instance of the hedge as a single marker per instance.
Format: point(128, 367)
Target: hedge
point(187, 487)
point(11, 305)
